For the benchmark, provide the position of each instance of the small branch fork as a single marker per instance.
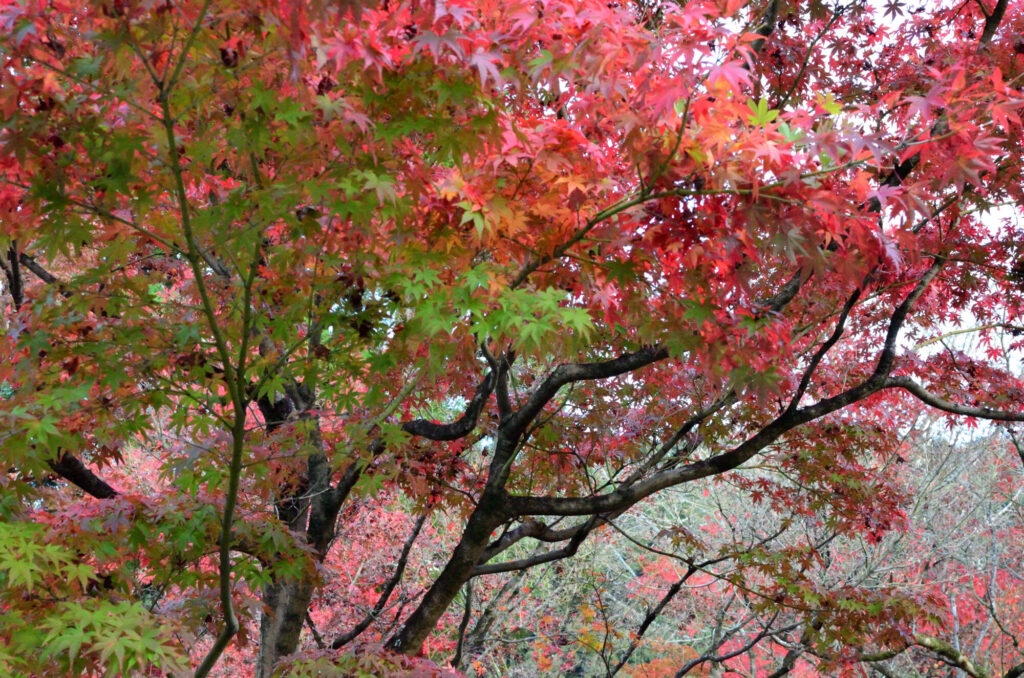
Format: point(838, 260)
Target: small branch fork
point(386, 592)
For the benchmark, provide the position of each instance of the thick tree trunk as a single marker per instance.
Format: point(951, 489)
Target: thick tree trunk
point(285, 604)
point(488, 515)
point(286, 601)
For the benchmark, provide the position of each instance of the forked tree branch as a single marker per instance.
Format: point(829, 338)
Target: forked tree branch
point(573, 372)
point(652, 614)
point(765, 631)
point(566, 551)
point(626, 496)
point(805, 380)
point(388, 589)
point(992, 21)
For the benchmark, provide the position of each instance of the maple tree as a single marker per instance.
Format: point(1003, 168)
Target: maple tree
point(512, 267)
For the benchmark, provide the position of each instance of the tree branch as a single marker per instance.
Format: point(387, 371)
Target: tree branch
point(789, 661)
point(807, 57)
point(918, 391)
point(805, 380)
point(947, 651)
point(652, 614)
point(317, 638)
point(1015, 672)
point(568, 373)
point(888, 356)
point(540, 558)
point(767, 26)
point(389, 588)
point(12, 271)
point(466, 615)
point(465, 424)
point(992, 21)
point(785, 294)
point(761, 635)
point(882, 655)
point(624, 497)
point(31, 264)
point(530, 528)
point(71, 468)
point(501, 365)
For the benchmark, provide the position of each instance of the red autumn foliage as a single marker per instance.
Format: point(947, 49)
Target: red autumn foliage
point(323, 321)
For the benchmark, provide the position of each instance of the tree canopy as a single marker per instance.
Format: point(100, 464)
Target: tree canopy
point(299, 293)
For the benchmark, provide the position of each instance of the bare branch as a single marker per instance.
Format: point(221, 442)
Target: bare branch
point(652, 614)
point(885, 361)
point(569, 373)
point(71, 468)
point(746, 647)
point(823, 349)
point(317, 638)
point(992, 21)
point(382, 600)
point(530, 528)
point(31, 264)
point(918, 391)
point(465, 424)
point(684, 431)
point(789, 661)
point(540, 558)
point(466, 615)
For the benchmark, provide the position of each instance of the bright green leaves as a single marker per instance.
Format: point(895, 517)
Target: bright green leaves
point(473, 216)
point(73, 633)
point(529, 319)
point(760, 114)
point(114, 637)
point(525, 318)
point(26, 561)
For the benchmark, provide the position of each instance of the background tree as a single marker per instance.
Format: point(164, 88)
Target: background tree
point(524, 264)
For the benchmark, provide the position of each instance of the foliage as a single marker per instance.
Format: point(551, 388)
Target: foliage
point(324, 320)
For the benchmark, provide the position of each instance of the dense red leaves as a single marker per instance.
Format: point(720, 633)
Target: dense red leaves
point(214, 209)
